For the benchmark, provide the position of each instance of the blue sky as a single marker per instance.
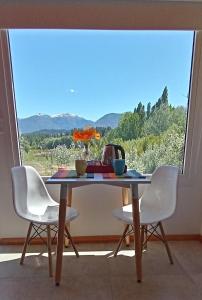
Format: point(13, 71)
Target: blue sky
point(92, 73)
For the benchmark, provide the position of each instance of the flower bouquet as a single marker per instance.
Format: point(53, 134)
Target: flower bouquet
point(85, 136)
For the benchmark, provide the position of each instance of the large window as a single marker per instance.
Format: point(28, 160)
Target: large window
point(132, 86)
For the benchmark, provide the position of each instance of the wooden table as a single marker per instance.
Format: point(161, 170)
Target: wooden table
point(66, 186)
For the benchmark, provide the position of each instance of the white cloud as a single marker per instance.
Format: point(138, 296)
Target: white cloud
point(72, 91)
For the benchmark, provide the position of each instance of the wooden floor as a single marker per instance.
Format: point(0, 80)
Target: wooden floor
point(97, 275)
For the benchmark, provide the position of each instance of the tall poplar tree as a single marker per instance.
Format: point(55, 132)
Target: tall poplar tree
point(164, 97)
point(148, 109)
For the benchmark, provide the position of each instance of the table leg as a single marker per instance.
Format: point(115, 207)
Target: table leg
point(125, 201)
point(69, 203)
point(136, 226)
point(61, 228)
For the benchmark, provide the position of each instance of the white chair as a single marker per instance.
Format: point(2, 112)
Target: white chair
point(33, 203)
point(157, 203)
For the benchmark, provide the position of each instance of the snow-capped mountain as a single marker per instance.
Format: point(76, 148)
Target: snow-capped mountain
point(64, 121)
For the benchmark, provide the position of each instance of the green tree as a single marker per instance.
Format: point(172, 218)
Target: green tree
point(24, 144)
point(159, 121)
point(168, 151)
point(179, 117)
point(129, 126)
point(164, 97)
point(163, 100)
point(148, 110)
point(112, 135)
point(141, 112)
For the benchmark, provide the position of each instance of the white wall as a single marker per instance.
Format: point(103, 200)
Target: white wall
point(96, 202)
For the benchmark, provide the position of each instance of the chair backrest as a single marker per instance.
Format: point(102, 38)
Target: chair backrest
point(29, 191)
point(161, 194)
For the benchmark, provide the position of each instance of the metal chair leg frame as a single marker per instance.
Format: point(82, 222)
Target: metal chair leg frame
point(162, 237)
point(38, 229)
point(145, 237)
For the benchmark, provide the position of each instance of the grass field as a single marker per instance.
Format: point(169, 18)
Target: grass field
point(41, 160)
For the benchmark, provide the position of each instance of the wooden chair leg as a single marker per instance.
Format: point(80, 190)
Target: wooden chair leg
point(70, 238)
point(49, 250)
point(26, 243)
point(166, 243)
point(125, 201)
point(121, 240)
point(66, 239)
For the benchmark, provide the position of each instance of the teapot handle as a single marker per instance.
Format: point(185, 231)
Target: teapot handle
point(119, 147)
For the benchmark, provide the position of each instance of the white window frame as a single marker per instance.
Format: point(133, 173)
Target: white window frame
point(191, 114)
point(194, 123)
point(191, 109)
point(154, 15)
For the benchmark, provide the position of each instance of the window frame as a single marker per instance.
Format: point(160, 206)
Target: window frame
point(190, 107)
point(156, 15)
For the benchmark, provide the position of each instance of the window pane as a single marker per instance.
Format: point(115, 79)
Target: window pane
point(131, 86)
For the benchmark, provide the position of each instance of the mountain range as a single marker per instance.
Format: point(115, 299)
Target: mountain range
point(64, 121)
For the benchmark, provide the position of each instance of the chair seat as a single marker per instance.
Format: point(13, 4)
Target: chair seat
point(51, 215)
point(150, 216)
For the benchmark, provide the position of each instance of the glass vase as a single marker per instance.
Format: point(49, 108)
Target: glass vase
point(86, 152)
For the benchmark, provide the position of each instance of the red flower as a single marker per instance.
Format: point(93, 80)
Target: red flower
point(86, 135)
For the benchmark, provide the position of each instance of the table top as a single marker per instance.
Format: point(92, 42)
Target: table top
point(99, 179)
